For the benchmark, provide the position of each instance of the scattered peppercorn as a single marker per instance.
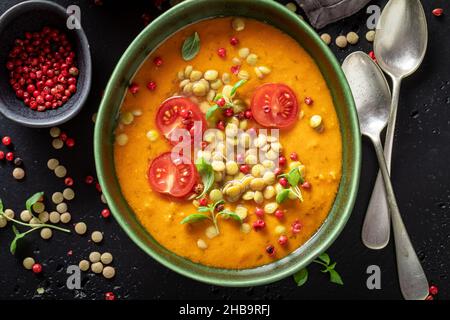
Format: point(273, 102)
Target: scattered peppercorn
point(438, 12)
point(10, 156)
point(434, 290)
point(234, 41)
point(110, 296)
point(309, 101)
point(106, 213)
point(259, 224)
point(89, 179)
point(279, 214)
point(68, 181)
point(37, 268)
point(6, 140)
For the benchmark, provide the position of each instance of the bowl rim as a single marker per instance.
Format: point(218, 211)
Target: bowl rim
point(81, 40)
point(278, 274)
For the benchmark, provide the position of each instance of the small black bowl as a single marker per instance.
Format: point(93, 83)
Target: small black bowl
point(32, 16)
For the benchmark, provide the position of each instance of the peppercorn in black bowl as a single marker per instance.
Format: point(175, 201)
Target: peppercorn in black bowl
point(45, 67)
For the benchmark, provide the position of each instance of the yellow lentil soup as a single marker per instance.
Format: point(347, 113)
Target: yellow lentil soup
point(251, 213)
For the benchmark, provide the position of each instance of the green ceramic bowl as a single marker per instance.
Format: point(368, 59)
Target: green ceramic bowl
point(178, 17)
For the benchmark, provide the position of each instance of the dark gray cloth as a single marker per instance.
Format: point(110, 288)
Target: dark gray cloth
point(322, 12)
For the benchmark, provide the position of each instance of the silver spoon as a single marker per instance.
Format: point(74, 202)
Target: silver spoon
point(372, 97)
point(400, 45)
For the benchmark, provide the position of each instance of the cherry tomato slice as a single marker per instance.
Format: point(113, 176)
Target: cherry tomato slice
point(274, 105)
point(178, 112)
point(173, 177)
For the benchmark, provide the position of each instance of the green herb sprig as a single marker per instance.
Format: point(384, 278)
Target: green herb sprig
point(209, 213)
point(191, 47)
point(206, 173)
point(32, 226)
point(294, 177)
point(301, 277)
point(228, 100)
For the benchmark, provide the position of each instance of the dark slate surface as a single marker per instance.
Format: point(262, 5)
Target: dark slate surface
point(420, 177)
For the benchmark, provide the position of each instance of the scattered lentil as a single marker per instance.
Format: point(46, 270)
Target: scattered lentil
point(57, 143)
point(106, 258)
point(18, 173)
point(57, 197)
point(52, 164)
point(60, 171)
point(25, 216)
point(61, 207)
point(341, 42)
point(28, 263)
point(370, 35)
point(352, 38)
point(97, 267)
point(80, 228)
point(326, 38)
point(68, 194)
point(94, 256)
point(46, 233)
point(66, 217)
point(84, 265)
point(97, 236)
point(109, 272)
point(54, 217)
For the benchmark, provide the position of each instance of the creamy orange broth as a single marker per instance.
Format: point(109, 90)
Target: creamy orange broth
point(319, 152)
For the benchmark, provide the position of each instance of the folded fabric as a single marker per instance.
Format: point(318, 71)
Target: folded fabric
point(323, 12)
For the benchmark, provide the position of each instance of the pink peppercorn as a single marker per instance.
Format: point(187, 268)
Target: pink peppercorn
point(151, 85)
point(158, 61)
point(68, 181)
point(308, 101)
point(282, 240)
point(89, 179)
point(279, 214)
point(283, 182)
point(259, 224)
point(434, 290)
point(133, 88)
point(234, 41)
point(306, 185)
point(293, 156)
point(106, 213)
point(222, 52)
point(282, 161)
point(259, 212)
point(296, 226)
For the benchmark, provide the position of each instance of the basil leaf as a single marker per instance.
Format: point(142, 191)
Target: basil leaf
point(18, 236)
point(211, 111)
point(301, 277)
point(194, 218)
point(204, 209)
point(325, 258)
point(191, 47)
point(236, 86)
point(294, 177)
point(231, 214)
point(206, 172)
point(1, 205)
point(283, 195)
point(335, 277)
point(32, 200)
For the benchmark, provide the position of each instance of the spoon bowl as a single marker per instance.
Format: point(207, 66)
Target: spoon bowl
point(370, 91)
point(401, 38)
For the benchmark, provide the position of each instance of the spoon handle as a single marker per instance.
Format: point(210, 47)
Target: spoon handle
point(376, 227)
point(413, 282)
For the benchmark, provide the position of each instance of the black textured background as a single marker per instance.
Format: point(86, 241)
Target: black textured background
point(420, 169)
